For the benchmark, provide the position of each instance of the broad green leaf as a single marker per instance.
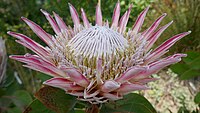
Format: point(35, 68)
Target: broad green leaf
point(193, 60)
point(56, 99)
point(21, 98)
point(137, 100)
point(107, 108)
point(179, 68)
point(197, 98)
point(132, 103)
point(189, 74)
point(195, 64)
point(189, 68)
point(14, 110)
point(37, 107)
point(191, 55)
point(43, 77)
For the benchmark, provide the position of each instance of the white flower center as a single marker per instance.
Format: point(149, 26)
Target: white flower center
point(97, 41)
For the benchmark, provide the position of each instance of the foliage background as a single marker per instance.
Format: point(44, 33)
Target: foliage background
point(20, 83)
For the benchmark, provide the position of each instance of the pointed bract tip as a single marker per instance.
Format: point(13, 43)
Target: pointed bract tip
point(189, 32)
point(23, 18)
point(148, 7)
point(44, 12)
point(81, 9)
point(69, 4)
point(9, 32)
point(131, 5)
point(11, 56)
point(164, 14)
point(184, 55)
point(54, 13)
point(99, 2)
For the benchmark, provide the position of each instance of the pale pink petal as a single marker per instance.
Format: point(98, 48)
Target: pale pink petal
point(39, 31)
point(60, 21)
point(89, 95)
point(130, 73)
point(99, 71)
point(35, 61)
point(116, 15)
point(29, 43)
point(110, 85)
point(138, 24)
point(75, 93)
point(74, 15)
point(77, 77)
point(121, 22)
point(127, 17)
point(153, 27)
point(165, 46)
point(156, 35)
point(52, 22)
point(84, 18)
point(98, 15)
point(112, 96)
point(63, 83)
point(129, 87)
point(42, 70)
point(160, 64)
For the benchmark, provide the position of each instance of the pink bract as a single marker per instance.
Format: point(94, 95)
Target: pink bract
point(100, 62)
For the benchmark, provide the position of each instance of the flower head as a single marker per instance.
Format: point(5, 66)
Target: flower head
point(100, 62)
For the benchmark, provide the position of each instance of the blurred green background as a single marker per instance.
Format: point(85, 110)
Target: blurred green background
point(19, 84)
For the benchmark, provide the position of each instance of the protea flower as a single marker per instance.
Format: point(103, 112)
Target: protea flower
point(3, 61)
point(100, 62)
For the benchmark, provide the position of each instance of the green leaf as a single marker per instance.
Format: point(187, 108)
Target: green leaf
point(192, 60)
point(107, 108)
point(191, 55)
point(197, 98)
point(21, 98)
point(43, 77)
point(137, 100)
point(37, 107)
point(14, 110)
point(56, 99)
point(179, 68)
point(189, 74)
point(132, 103)
point(190, 68)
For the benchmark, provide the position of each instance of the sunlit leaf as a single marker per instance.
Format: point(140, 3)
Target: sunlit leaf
point(189, 68)
point(37, 107)
point(189, 74)
point(132, 103)
point(56, 99)
point(21, 98)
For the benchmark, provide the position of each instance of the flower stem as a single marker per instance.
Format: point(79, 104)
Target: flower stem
point(93, 109)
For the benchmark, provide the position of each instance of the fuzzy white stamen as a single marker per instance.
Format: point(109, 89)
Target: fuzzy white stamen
point(97, 41)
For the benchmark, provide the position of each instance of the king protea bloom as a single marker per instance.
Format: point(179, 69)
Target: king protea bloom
point(99, 62)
